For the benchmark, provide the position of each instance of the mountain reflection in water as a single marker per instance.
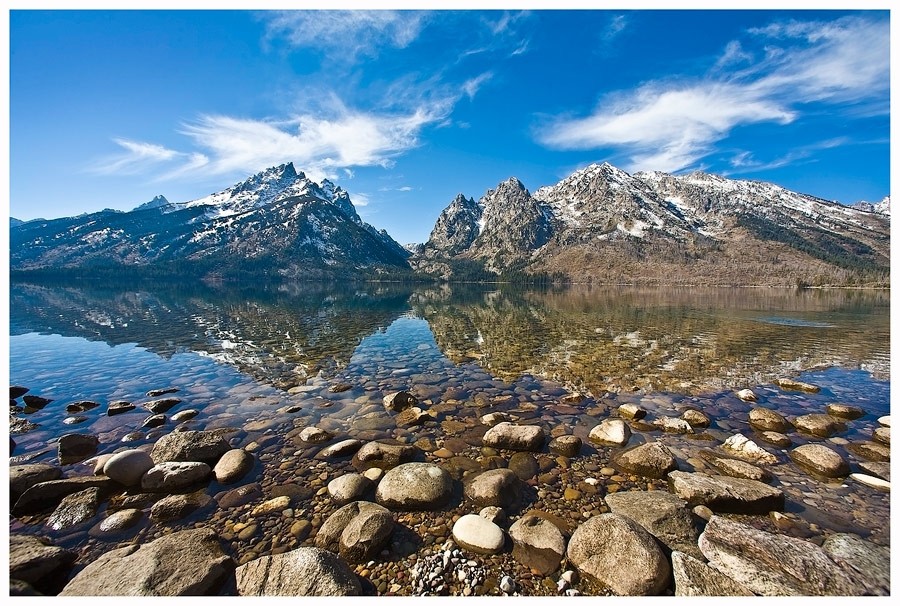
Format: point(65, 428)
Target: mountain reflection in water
point(687, 340)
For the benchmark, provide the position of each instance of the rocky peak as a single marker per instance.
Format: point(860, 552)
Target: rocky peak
point(456, 228)
point(156, 202)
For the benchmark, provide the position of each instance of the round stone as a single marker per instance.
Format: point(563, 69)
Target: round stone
point(477, 534)
point(128, 467)
point(567, 446)
point(820, 460)
point(414, 486)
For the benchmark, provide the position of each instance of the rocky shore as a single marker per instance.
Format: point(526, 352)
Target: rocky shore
point(354, 489)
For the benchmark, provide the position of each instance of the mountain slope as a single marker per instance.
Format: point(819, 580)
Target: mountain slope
point(602, 224)
point(277, 222)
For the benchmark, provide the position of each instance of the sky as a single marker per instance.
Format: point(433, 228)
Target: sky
point(405, 109)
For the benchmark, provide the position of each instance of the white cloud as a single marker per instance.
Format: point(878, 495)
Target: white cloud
point(137, 156)
point(470, 87)
point(345, 35)
point(405, 188)
point(671, 125)
point(359, 199)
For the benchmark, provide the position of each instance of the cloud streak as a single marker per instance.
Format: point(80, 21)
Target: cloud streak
point(671, 125)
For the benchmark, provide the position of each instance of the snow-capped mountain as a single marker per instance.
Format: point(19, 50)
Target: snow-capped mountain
point(275, 222)
point(601, 222)
point(879, 208)
point(157, 202)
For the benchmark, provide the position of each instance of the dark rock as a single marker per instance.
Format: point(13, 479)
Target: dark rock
point(21, 588)
point(23, 477)
point(567, 446)
point(36, 402)
point(47, 495)
point(537, 544)
point(618, 553)
point(162, 405)
point(773, 564)
point(36, 560)
point(155, 393)
point(820, 460)
point(524, 465)
point(177, 506)
point(305, 571)
point(154, 421)
point(652, 460)
point(694, 578)
point(203, 446)
point(663, 515)
point(81, 406)
point(17, 391)
point(75, 509)
point(189, 562)
point(399, 400)
point(239, 496)
point(415, 486)
point(498, 487)
point(118, 407)
point(74, 447)
point(725, 494)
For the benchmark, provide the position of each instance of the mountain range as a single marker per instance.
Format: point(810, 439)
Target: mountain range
point(600, 224)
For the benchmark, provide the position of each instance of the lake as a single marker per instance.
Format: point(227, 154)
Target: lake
point(267, 361)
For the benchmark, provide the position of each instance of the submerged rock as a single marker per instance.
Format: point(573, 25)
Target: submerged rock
point(793, 385)
point(820, 425)
point(820, 460)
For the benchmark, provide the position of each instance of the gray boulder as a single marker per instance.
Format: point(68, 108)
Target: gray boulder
point(742, 447)
point(499, 487)
point(537, 544)
point(36, 560)
point(477, 534)
point(47, 495)
point(128, 467)
point(735, 468)
point(515, 437)
point(725, 494)
point(618, 553)
point(189, 562)
point(383, 456)
point(610, 432)
point(233, 466)
point(763, 419)
point(662, 514)
point(329, 535)
point(75, 509)
point(869, 564)
point(651, 460)
point(23, 477)
point(694, 578)
point(820, 425)
point(349, 487)
point(305, 571)
point(773, 564)
point(174, 475)
point(199, 446)
point(414, 486)
point(820, 460)
point(366, 534)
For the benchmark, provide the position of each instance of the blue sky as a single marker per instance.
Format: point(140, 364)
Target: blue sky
point(406, 109)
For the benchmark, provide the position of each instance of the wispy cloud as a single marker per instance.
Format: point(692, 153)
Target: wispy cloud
point(745, 162)
point(345, 35)
point(322, 145)
point(470, 87)
point(671, 125)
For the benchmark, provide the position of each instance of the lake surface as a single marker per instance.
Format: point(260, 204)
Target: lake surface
point(268, 360)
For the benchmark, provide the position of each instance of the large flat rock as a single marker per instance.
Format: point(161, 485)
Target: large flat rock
point(305, 571)
point(726, 494)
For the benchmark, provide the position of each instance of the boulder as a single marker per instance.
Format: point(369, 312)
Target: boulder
point(344, 448)
point(746, 395)
point(763, 419)
point(74, 447)
point(742, 447)
point(239, 496)
point(845, 411)
point(399, 400)
point(305, 571)
point(820, 425)
point(197, 446)
point(117, 522)
point(618, 553)
point(414, 486)
point(735, 468)
point(36, 560)
point(793, 385)
point(882, 435)
point(174, 475)
point(515, 437)
point(651, 460)
point(189, 562)
point(537, 544)
point(725, 494)
point(349, 487)
point(17, 391)
point(880, 469)
point(315, 435)
point(694, 578)
point(567, 446)
point(494, 514)
point(610, 432)
point(820, 460)
point(185, 415)
point(162, 405)
point(23, 477)
point(493, 418)
point(412, 416)
point(383, 456)
point(233, 466)
point(872, 451)
point(177, 506)
point(47, 495)
point(74, 509)
point(672, 425)
point(885, 421)
point(477, 534)
point(498, 487)
point(127, 467)
point(154, 421)
point(329, 535)
point(869, 564)
point(662, 514)
point(524, 465)
point(773, 564)
point(118, 407)
point(776, 439)
point(632, 412)
point(695, 418)
point(37, 402)
point(366, 534)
